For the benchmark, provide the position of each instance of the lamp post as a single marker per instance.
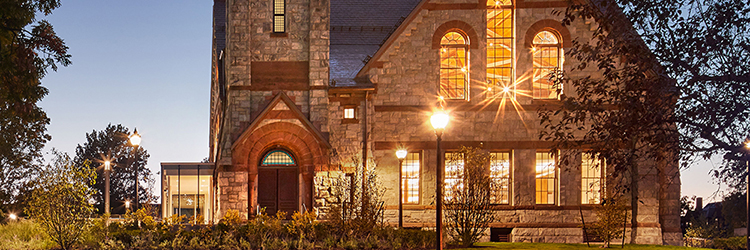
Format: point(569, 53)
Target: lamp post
point(439, 120)
point(401, 154)
point(135, 140)
point(107, 169)
point(127, 206)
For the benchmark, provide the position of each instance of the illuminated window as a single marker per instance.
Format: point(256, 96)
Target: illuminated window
point(454, 69)
point(454, 167)
point(500, 174)
point(279, 19)
point(278, 157)
point(546, 178)
point(349, 113)
point(592, 182)
point(410, 178)
point(547, 62)
point(500, 40)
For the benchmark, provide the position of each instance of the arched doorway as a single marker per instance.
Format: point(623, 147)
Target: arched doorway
point(278, 183)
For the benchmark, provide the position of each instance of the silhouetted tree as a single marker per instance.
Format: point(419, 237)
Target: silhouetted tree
point(28, 48)
point(113, 144)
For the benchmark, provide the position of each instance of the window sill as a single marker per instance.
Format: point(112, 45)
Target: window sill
point(545, 101)
point(349, 121)
point(274, 34)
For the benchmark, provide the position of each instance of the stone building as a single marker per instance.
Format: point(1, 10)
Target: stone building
point(298, 85)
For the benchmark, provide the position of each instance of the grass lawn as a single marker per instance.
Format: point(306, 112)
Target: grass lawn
point(556, 246)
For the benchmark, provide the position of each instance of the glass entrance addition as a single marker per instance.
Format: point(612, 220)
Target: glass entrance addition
point(278, 183)
point(187, 191)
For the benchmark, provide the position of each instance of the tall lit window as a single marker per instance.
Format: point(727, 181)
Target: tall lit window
point(500, 174)
point(454, 167)
point(546, 178)
point(592, 182)
point(500, 48)
point(279, 17)
point(454, 69)
point(410, 178)
point(547, 62)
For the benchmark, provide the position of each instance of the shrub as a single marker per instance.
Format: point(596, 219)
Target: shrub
point(23, 234)
point(468, 210)
point(60, 200)
point(360, 205)
point(611, 214)
point(732, 243)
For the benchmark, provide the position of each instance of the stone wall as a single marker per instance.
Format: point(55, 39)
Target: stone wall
point(233, 190)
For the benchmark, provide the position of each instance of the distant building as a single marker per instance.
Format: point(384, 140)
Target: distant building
point(297, 82)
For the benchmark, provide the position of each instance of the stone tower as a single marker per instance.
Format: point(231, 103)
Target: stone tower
point(269, 78)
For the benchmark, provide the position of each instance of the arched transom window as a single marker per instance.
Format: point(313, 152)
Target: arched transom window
point(277, 158)
point(454, 70)
point(547, 62)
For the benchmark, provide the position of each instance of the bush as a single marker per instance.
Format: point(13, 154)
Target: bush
point(23, 234)
point(611, 213)
point(60, 200)
point(468, 201)
point(732, 243)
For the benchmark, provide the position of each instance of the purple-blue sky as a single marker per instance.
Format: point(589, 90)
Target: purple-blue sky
point(147, 64)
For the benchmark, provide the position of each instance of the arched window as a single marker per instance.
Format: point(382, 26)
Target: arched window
point(454, 69)
point(547, 54)
point(277, 158)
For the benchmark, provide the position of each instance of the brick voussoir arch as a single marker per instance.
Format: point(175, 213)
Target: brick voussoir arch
point(548, 25)
point(290, 136)
point(455, 25)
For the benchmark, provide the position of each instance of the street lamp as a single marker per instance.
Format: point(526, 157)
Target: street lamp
point(401, 154)
point(107, 169)
point(135, 140)
point(12, 216)
point(127, 206)
point(439, 120)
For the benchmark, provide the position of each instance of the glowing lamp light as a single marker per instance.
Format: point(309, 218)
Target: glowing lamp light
point(489, 89)
point(439, 120)
point(127, 204)
point(441, 98)
point(107, 165)
point(401, 154)
point(12, 216)
point(506, 89)
point(135, 139)
point(747, 144)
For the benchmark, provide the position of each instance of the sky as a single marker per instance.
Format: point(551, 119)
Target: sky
point(147, 64)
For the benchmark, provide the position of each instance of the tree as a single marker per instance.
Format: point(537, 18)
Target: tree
point(673, 85)
point(701, 47)
point(60, 200)
point(112, 144)
point(704, 47)
point(469, 196)
point(610, 214)
point(734, 209)
point(357, 197)
point(28, 48)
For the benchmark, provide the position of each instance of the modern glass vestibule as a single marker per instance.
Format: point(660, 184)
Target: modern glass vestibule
point(187, 190)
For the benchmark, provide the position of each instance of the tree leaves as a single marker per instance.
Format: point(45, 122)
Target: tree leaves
point(60, 200)
point(25, 56)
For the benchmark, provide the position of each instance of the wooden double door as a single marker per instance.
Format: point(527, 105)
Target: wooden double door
point(278, 189)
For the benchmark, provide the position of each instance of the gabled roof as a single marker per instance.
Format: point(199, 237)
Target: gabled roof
point(358, 28)
point(282, 98)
